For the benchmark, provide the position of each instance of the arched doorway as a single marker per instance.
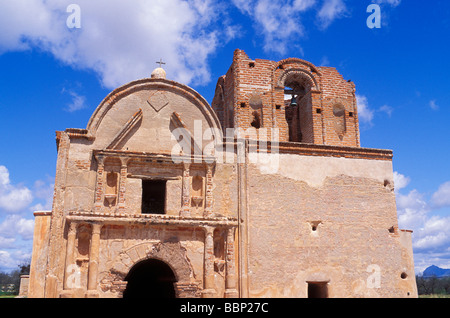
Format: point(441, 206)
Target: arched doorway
point(150, 278)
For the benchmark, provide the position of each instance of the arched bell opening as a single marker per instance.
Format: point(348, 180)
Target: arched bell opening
point(294, 94)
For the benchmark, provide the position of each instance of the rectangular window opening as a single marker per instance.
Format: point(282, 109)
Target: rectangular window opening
point(153, 197)
point(317, 290)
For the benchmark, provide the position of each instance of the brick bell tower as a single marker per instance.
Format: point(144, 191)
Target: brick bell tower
point(307, 104)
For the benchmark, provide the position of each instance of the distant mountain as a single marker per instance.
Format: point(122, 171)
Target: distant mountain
point(435, 271)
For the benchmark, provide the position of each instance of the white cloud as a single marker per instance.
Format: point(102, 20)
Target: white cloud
point(20, 19)
point(330, 11)
point(386, 109)
point(43, 191)
point(433, 105)
point(434, 234)
point(10, 261)
point(441, 198)
point(13, 198)
point(324, 61)
point(412, 209)
point(16, 198)
point(245, 6)
point(119, 41)
point(6, 242)
point(400, 181)
point(278, 21)
point(78, 102)
point(431, 235)
point(365, 114)
point(4, 176)
point(122, 42)
point(6, 260)
point(16, 230)
point(393, 3)
point(281, 22)
point(16, 234)
point(14, 225)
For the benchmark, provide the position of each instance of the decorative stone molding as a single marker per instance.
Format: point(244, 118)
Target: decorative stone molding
point(171, 253)
point(158, 100)
point(295, 60)
point(306, 78)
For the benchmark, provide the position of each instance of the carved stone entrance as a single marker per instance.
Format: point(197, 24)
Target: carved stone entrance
point(150, 278)
point(154, 263)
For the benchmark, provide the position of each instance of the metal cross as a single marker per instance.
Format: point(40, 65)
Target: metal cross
point(160, 62)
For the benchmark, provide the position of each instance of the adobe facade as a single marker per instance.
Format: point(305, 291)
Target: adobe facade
point(265, 193)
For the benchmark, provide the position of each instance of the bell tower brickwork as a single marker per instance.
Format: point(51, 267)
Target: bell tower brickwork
point(255, 93)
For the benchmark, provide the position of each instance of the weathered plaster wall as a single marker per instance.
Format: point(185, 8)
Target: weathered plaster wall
point(352, 210)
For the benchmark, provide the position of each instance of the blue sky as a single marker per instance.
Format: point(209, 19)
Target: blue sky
point(53, 77)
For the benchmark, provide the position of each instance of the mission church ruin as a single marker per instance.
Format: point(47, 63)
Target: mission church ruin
point(137, 213)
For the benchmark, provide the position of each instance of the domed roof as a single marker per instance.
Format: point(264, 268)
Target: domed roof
point(158, 73)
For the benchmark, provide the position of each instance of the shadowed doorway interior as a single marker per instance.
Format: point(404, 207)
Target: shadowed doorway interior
point(151, 278)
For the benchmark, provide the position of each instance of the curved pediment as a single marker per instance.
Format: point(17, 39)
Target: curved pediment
point(143, 115)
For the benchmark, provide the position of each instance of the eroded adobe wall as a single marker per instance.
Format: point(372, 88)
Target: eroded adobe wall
point(325, 219)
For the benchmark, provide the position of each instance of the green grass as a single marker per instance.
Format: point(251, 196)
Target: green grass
point(435, 296)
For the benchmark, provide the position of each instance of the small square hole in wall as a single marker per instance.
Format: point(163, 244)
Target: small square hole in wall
point(315, 225)
point(242, 105)
point(278, 106)
point(318, 110)
point(350, 114)
point(251, 64)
